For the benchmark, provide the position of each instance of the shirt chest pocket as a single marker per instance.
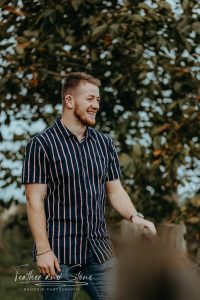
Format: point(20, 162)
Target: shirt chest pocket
point(61, 168)
point(101, 166)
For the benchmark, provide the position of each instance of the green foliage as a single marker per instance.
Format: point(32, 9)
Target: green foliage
point(147, 57)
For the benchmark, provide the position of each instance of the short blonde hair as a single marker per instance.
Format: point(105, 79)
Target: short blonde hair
point(73, 80)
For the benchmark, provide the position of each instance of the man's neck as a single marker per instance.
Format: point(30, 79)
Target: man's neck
point(77, 129)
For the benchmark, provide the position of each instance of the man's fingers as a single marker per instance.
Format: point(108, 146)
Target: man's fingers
point(40, 270)
point(151, 228)
point(47, 271)
point(47, 264)
point(52, 271)
point(57, 266)
point(43, 271)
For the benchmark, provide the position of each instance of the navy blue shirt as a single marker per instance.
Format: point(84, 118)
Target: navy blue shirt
point(75, 173)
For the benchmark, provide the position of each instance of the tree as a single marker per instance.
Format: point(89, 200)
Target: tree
point(147, 56)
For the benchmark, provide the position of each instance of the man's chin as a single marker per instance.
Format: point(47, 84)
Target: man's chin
point(87, 121)
point(90, 122)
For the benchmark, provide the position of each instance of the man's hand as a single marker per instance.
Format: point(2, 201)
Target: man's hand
point(48, 264)
point(147, 224)
point(122, 203)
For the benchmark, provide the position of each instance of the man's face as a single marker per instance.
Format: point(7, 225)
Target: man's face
point(87, 103)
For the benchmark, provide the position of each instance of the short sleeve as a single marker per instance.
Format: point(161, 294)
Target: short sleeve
point(114, 171)
point(35, 165)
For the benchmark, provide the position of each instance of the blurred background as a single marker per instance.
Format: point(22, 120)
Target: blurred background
point(147, 55)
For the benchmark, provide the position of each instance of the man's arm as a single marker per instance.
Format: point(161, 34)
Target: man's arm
point(122, 203)
point(35, 194)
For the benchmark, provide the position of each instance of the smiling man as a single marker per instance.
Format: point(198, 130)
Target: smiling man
point(69, 170)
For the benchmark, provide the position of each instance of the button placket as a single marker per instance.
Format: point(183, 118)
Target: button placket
point(82, 165)
point(84, 177)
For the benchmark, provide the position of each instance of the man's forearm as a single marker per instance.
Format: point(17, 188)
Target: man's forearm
point(122, 203)
point(37, 223)
point(47, 262)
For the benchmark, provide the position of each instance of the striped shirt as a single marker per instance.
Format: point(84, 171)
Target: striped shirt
point(75, 173)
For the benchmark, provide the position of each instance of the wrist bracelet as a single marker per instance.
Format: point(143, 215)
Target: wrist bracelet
point(136, 214)
point(38, 254)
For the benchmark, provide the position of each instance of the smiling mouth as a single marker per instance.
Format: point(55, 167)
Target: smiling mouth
point(92, 114)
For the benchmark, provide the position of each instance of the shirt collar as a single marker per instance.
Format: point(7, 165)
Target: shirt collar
point(66, 132)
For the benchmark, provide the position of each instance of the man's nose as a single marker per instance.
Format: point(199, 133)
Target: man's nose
point(95, 104)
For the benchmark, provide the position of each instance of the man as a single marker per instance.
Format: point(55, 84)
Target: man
point(68, 170)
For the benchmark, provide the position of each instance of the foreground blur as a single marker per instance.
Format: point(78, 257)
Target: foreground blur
point(154, 268)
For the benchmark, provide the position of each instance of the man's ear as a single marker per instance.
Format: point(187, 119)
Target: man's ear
point(69, 101)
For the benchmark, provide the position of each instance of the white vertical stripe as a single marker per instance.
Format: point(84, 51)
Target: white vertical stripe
point(53, 196)
point(95, 251)
point(86, 200)
point(101, 196)
point(39, 159)
point(29, 161)
point(53, 190)
point(110, 164)
point(88, 176)
point(34, 162)
point(58, 198)
point(24, 165)
point(48, 205)
point(58, 207)
point(53, 205)
point(91, 194)
point(76, 202)
point(74, 187)
point(45, 169)
point(41, 148)
point(69, 200)
point(96, 229)
point(99, 137)
point(114, 154)
point(98, 201)
point(103, 155)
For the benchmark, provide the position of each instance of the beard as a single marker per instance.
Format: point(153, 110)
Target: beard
point(84, 117)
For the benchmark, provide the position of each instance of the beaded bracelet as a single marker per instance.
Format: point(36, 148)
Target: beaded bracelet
point(38, 254)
